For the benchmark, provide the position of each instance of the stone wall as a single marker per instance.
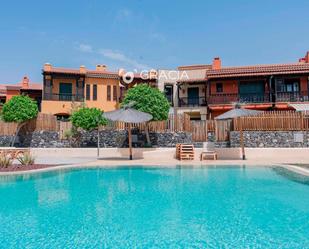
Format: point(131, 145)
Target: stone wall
point(5, 140)
point(108, 139)
point(271, 139)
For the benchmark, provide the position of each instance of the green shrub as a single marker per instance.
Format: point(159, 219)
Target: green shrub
point(26, 159)
point(5, 161)
point(88, 118)
point(19, 109)
point(148, 99)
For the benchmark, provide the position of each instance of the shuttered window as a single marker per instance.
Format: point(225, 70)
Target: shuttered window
point(94, 92)
point(115, 93)
point(109, 93)
point(87, 92)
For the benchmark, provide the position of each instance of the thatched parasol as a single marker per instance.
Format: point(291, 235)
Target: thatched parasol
point(128, 115)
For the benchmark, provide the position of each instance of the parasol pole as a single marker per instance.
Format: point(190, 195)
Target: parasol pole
point(130, 141)
point(242, 144)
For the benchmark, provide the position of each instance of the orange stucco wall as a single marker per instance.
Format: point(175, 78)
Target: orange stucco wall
point(56, 83)
point(304, 84)
point(102, 102)
point(11, 93)
point(229, 86)
point(65, 107)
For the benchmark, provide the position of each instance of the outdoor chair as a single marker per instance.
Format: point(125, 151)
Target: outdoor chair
point(208, 151)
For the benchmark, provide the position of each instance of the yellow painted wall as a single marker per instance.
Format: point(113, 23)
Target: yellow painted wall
point(58, 107)
point(101, 101)
point(65, 107)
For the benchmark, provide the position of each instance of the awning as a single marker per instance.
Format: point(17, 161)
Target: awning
point(300, 107)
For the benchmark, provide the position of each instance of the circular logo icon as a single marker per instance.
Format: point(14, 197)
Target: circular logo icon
point(128, 77)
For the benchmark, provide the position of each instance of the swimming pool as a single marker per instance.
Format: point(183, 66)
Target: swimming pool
point(216, 207)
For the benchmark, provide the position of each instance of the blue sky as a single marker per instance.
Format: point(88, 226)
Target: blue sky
point(142, 34)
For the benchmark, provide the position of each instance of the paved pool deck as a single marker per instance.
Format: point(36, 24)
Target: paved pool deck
point(111, 157)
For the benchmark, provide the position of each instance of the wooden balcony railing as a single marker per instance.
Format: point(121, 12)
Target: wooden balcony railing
point(63, 97)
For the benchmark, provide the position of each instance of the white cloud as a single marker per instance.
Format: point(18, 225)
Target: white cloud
point(114, 55)
point(118, 56)
point(85, 48)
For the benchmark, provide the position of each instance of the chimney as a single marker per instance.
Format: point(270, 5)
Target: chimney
point(302, 60)
point(307, 57)
point(25, 83)
point(82, 69)
point(47, 67)
point(216, 63)
point(121, 72)
point(101, 68)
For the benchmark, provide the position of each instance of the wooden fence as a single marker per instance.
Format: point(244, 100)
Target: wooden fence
point(273, 121)
point(7, 128)
point(174, 123)
point(267, 121)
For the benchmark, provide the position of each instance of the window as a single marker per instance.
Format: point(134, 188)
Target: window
point(115, 93)
point(219, 87)
point(108, 93)
point(94, 92)
point(87, 92)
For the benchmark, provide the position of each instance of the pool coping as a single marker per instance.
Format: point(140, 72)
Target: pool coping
point(227, 163)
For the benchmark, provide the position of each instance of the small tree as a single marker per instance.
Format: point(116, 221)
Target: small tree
point(19, 109)
point(148, 99)
point(88, 118)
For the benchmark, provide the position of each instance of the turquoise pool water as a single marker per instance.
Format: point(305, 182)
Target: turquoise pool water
point(155, 208)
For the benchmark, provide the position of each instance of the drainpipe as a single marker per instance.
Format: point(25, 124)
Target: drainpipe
point(270, 88)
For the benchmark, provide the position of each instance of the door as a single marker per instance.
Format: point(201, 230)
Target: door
point(193, 96)
point(168, 89)
point(65, 91)
point(251, 91)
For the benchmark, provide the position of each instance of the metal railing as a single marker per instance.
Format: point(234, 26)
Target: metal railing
point(63, 97)
point(192, 102)
point(292, 97)
point(240, 98)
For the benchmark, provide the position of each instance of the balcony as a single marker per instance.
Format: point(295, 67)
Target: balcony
point(192, 102)
point(63, 97)
point(292, 97)
point(237, 98)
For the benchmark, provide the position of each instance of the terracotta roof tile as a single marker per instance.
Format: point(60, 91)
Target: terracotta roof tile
point(258, 70)
point(89, 73)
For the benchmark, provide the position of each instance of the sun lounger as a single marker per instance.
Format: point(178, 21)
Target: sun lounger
point(208, 151)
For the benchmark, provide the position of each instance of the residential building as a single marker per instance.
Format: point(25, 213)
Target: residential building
point(25, 87)
point(65, 89)
point(210, 90)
